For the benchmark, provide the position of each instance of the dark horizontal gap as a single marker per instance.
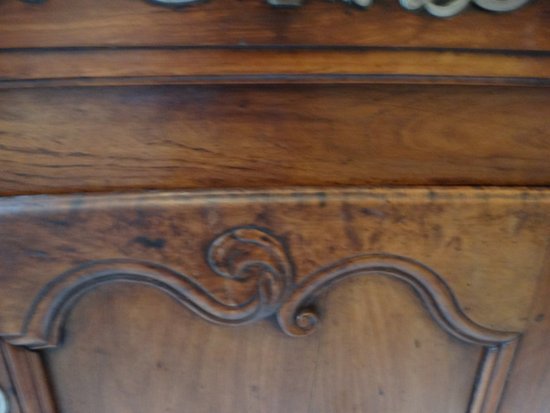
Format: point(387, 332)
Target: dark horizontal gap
point(275, 78)
point(262, 189)
point(261, 47)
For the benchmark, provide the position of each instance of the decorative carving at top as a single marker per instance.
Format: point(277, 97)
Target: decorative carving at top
point(438, 8)
point(448, 8)
point(246, 253)
point(260, 267)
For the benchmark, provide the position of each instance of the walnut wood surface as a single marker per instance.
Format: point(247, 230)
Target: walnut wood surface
point(254, 255)
point(318, 300)
point(374, 352)
point(123, 41)
point(359, 355)
point(101, 139)
point(192, 65)
point(77, 23)
point(530, 378)
point(43, 239)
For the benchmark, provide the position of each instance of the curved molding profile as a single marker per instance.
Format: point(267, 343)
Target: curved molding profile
point(256, 263)
point(296, 319)
point(438, 8)
point(243, 255)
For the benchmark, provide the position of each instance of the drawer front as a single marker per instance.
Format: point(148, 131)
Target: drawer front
point(395, 300)
point(171, 137)
point(135, 41)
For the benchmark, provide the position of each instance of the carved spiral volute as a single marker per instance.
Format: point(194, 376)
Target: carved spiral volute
point(251, 253)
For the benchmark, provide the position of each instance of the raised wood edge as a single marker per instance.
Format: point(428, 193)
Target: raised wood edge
point(29, 379)
point(430, 287)
point(254, 254)
point(123, 66)
point(492, 376)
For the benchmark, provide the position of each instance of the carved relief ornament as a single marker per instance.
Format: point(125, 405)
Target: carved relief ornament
point(438, 8)
point(255, 258)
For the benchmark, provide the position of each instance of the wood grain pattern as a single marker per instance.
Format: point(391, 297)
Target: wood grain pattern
point(258, 257)
point(248, 273)
point(102, 139)
point(316, 299)
point(232, 22)
point(42, 238)
point(384, 363)
point(249, 252)
point(195, 65)
point(530, 377)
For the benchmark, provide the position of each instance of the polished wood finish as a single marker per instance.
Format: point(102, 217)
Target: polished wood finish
point(105, 43)
point(57, 266)
point(98, 139)
point(198, 248)
point(530, 378)
point(347, 365)
point(23, 68)
point(84, 23)
point(230, 207)
point(43, 238)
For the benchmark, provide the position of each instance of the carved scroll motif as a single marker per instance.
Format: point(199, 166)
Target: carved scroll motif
point(257, 263)
point(448, 8)
point(438, 8)
point(243, 255)
point(257, 260)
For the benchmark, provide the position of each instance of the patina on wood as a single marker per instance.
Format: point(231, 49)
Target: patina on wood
point(237, 257)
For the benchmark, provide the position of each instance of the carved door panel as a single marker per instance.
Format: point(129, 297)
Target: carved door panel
point(283, 301)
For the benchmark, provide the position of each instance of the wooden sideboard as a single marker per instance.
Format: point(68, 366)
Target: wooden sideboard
point(272, 207)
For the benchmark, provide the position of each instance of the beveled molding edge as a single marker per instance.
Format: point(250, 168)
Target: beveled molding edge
point(438, 8)
point(244, 255)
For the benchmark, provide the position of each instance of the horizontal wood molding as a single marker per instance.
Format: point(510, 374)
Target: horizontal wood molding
point(268, 65)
